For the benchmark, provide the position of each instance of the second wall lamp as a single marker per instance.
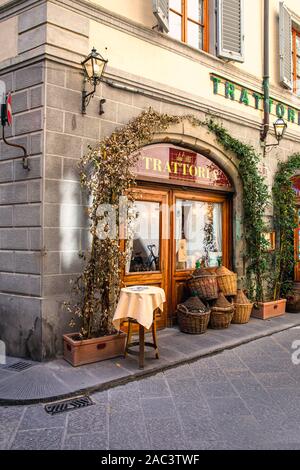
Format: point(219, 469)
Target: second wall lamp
point(93, 66)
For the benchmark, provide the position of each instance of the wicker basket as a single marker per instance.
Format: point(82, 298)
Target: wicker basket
point(227, 281)
point(204, 285)
point(221, 313)
point(193, 316)
point(242, 308)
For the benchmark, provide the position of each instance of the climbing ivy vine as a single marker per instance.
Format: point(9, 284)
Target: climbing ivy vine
point(255, 201)
point(285, 223)
point(107, 173)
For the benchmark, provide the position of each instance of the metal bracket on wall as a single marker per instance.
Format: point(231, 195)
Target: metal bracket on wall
point(101, 108)
point(25, 156)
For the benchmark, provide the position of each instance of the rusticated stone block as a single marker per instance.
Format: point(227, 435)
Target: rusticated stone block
point(13, 193)
point(35, 238)
point(20, 318)
point(7, 261)
point(21, 173)
point(13, 239)
point(6, 213)
point(82, 125)
point(51, 262)
point(64, 145)
point(34, 191)
point(27, 215)
point(63, 192)
point(54, 120)
point(36, 97)
point(20, 102)
point(8, 152)
point(53, 166)
point(62, 98)
point(6, 171)
point(36, 144)
point(32, 38)
point(32, 18)
point(28, 263)
point(28, 122)
point(62, 239)
point(29, 76)
point(71, 262)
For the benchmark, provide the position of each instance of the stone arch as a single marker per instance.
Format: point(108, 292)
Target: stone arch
point(201, 140)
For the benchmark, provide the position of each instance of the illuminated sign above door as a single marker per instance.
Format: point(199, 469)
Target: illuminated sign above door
point(175, 165)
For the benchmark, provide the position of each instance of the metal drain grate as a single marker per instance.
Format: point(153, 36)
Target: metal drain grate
point(68, 405)
point(19, 366)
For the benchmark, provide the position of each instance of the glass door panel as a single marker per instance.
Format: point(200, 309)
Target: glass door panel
point(145, 246)
point(199, 233)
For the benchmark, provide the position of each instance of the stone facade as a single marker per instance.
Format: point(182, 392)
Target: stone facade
point(43, 212)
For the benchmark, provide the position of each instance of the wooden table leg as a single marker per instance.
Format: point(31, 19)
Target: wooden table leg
point(142, 346)
point(128, 340)
point(155, 338)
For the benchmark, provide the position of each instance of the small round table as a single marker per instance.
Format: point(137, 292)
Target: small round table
point(138, 304)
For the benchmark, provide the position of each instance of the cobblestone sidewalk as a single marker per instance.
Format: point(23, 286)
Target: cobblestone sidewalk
point(244, 398)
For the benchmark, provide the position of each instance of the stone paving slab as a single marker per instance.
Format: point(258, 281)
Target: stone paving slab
point(216, 402)
point(57, 379)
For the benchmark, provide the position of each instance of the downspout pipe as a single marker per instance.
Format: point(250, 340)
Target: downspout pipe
point(266, 79)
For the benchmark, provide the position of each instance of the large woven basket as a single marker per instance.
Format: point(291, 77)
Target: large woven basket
point(242, 308)
point(193, 316)
point(221, 313)
point(203, 284)
point(227, 281)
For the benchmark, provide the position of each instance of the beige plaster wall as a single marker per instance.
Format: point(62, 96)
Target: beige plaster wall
point(137, 10)
point(8, 38)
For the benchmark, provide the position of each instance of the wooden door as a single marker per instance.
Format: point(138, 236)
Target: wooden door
point(204, 205)
point(297, 247)
point(149, 263)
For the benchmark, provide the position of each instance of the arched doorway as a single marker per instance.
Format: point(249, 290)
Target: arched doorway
point(296, 187)
point(183, 214)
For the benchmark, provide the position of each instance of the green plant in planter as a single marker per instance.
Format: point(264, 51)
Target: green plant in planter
point(284, 198)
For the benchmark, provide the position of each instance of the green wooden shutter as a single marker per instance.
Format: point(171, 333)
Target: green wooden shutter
point(230, 29)
point(285, 46)
point(161, 13)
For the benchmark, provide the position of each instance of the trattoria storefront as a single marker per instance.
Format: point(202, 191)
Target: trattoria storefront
point(183, 216)
point(296, 187)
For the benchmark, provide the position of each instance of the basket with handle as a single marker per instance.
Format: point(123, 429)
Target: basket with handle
point(242, 308)
point(193, 316)
point(203, 284)
point(227, 281)
point(221, 313)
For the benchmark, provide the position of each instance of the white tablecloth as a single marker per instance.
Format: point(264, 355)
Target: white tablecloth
point(139, 302)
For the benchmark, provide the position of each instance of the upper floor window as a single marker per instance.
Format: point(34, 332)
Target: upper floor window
point(296, 61)
point(188, 22)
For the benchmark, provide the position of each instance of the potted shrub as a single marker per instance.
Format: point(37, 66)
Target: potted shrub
point(107, 178)
point(284, 198)
point(108, 175)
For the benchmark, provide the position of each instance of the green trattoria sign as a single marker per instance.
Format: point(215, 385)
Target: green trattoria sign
point(235, 92)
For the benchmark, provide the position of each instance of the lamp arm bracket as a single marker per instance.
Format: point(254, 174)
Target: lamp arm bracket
point(86, 98)
point(25, 156)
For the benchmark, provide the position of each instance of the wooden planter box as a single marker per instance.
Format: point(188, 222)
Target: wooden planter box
point(265, 310)
point(87, 351)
